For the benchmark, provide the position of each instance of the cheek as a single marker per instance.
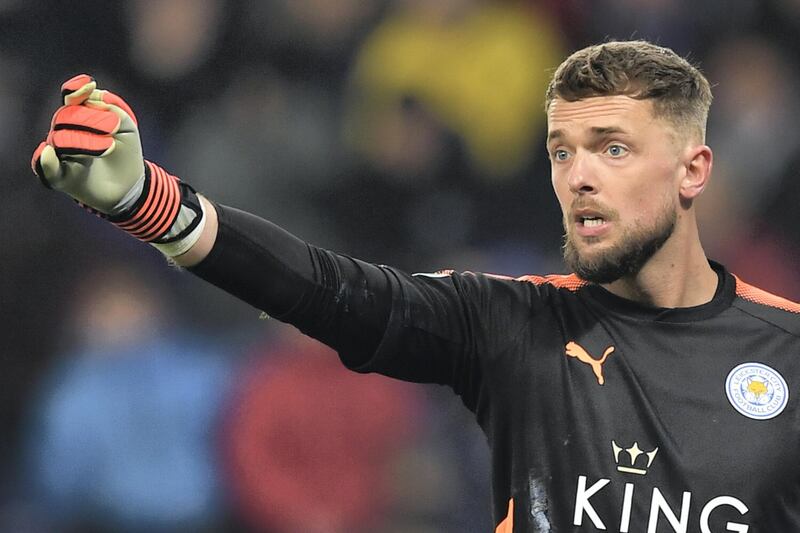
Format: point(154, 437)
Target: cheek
point(561, 190)
point(646, 206)
point(648, 190)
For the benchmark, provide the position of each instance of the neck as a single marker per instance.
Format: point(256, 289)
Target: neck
point(678, 275)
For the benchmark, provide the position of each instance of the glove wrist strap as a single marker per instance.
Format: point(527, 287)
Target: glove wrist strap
point(167, 214)
point(155, 211)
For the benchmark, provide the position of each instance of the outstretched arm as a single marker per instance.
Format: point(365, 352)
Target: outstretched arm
point(93, 153)
point(377, 318)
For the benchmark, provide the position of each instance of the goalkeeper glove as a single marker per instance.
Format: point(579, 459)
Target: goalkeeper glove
point(93, 153)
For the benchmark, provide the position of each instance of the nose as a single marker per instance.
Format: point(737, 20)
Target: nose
point(581, 178)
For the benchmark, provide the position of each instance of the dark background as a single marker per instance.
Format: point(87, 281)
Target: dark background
point(405, 132)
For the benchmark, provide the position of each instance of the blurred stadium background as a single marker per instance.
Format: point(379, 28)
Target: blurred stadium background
point(406, 132)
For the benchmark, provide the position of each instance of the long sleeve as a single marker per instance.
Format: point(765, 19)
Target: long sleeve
point(340, 301)
point(422, 328)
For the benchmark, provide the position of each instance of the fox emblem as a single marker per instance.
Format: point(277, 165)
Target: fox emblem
point(576, 350)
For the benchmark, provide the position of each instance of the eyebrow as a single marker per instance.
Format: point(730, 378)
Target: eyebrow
point(595, 132)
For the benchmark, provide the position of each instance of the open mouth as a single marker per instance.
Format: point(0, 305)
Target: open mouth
point(591, 222)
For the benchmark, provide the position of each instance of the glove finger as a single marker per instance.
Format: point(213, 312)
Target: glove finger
point(76, 142)
point(77, 89)
point(36, 164)
point(102, 99)
point(46, 164)
point(55, 171)
point(35, 158)
point(100, 121)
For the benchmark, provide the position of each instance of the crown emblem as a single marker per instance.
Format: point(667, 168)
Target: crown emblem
point(633, 452)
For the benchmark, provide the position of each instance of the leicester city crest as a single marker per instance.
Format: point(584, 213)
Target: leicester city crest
point(757, 391)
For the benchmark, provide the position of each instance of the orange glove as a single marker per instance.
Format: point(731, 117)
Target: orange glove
point(93, 153)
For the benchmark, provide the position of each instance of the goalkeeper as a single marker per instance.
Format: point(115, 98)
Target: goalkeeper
point(648, 391)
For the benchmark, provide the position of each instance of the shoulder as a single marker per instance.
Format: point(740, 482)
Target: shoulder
point(501, 290)
point(768, 307)
point(569, 282)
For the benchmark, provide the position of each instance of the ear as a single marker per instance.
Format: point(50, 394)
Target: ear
point(698, 160)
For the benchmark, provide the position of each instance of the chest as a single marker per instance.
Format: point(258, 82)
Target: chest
point(640, 427)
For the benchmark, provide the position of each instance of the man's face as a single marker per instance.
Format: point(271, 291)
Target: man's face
point(615, 171)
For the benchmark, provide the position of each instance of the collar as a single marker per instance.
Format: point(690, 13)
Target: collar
point(722, 299)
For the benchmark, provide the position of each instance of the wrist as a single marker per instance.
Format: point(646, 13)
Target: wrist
point(187, 229)
point(151, 216)
point(205, 240)
point(161, 210)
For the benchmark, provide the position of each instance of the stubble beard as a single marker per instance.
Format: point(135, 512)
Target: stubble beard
point(626, 258)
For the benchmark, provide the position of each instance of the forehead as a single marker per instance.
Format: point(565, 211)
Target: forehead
point(599, 112)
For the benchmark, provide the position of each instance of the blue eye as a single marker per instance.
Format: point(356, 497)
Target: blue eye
point(560, 155)
point(615, 150)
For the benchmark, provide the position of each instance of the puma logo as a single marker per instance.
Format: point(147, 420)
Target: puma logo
point(576, 350)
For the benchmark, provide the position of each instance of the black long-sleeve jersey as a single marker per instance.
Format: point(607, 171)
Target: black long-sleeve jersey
point(602, 414)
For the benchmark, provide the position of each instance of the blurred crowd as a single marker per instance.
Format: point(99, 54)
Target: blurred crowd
point(405, 132)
